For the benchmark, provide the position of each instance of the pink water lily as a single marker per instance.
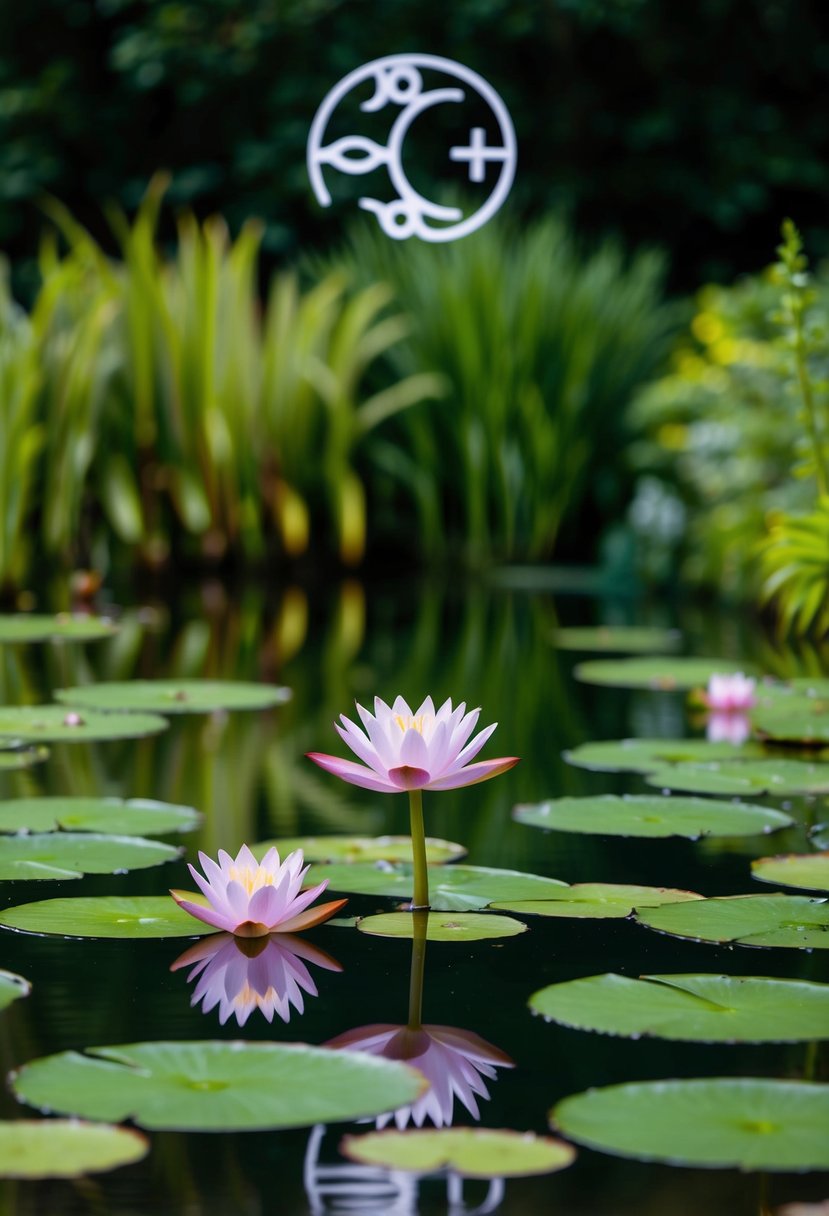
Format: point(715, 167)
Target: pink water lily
point(401, 750)
point(730, 693)
point(251, 898)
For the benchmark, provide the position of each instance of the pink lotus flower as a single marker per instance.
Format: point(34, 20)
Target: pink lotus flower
point(730, 693)
point(428, 749)
point(266, 973)
point(452, 1061)
point(253, 898)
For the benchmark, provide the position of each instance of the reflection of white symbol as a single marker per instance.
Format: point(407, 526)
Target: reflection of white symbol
point(398, 82)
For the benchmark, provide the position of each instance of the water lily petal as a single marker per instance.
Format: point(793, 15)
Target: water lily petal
point(354, 738)
point(474, 746)
point(414, 752)
point(313, 916)
point(474, 773)
point(405, 777)
point(355, 774)
point(210, 916)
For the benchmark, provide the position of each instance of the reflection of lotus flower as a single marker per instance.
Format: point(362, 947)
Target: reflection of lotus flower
point(729, 727)
point(251, 898)
point(452, 1061)
point(428, 749)
point(240, 976)
point(730, 693)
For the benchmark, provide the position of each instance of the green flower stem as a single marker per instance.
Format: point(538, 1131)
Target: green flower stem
point(421, 919)
point(421, 876)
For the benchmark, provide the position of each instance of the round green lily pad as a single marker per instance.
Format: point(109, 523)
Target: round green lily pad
point(21, 757)
point(769, 776)
point(457, 888)
point(596, 900)
point(746, 1123)
point(12, 987)
point(361, 848)
point(59, 855)
point(473, 1152)
point(619, 639)
point(59, 724)
point(808, 870)
point(663, 675)
point(32, 627)
point(174, 696)
point(652, 815)
point(121, 916)
point(648, 755)
point(793, 715)
point(66, 1148)
point(793, 921)
point(443, 926)
point(217, 1086)
point(693, 1008)
point(133, 817)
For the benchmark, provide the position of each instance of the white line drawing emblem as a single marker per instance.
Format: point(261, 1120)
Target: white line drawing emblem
point(398, 81)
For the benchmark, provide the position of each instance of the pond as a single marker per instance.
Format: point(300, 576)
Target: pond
point(497, 646)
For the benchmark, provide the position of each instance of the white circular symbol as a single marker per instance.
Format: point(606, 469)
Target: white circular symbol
point(398, 82)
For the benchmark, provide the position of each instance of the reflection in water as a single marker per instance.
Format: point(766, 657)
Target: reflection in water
point(240, 975)
point(727, 727)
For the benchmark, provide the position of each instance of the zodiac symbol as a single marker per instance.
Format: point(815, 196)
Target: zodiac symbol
point(398, 82)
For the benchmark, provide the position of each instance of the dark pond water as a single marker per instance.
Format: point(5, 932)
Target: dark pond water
point(491, 646)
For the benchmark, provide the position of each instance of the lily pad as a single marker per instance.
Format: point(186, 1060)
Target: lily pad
point(58, 855)
point(473, 1152)
point(663, 675)
point(458, 888)
point(652, 815)
point(793, 921)
point(746, 1123)
point(174, 696)
point(648, 755)
point(66, 1148)
point(32, 627)
point(793, 714)
point(12, 987)
point(808, 870)
point(21, 757)
point(133, 817)
point(771, 776)
point(217, 1086)
point(121, 916)
point(597, 900)
point(692, 1008)
point(57, 724)
point(619, 639)
point(443, 926)
point(361, 848)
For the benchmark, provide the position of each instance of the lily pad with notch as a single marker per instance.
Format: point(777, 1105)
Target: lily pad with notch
point(443, 926)
point(66, 1148)
point(619, 639)
point(690, 1008)
point(781, 777)
point(806, 870)
point(217, 1086)
point(36, 627)
point(105, 916)
point(596, 901)
point(648, 755)
point(118, 816)
point(62, 855)
point(352, 849)
point(174, 696)
point(718, 1122)
point(472, 1152)
point(791, 921)
point(650, 815)
point(58, 724)
point(659, 675)
point(457, 888)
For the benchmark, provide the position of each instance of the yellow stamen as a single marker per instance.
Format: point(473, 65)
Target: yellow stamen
point(410, 723)
point(251, 879)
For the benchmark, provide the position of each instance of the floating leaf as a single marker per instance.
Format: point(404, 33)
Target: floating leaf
point(598, 900)
point(664, 675)
point(58, 855)
point(26, 627)
point(716, 1122)
point(133, 817)
point(217, 1086)
point(360, 848)
point(21, 757)
point(651, 815)
point(175, 696)
point(12, 987)
point(473, 1152)
point(648, 755)
point(619, 639)
point(66, 1148)
point(451, 888)
point(772, 776)
point(694, 1008)
point(57, 724)
point(748, 920)
point(809, 870)
point(443, 926)
point(122, 916)
point(793, 714)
